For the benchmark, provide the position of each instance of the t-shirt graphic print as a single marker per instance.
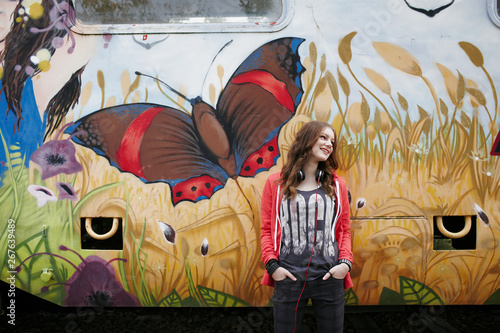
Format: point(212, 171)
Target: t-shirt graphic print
point(299, 223)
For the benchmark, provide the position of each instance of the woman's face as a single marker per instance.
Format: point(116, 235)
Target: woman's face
point(323, 146)
point(6, 9)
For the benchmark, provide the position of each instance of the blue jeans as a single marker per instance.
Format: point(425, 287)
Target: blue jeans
point(327, 300)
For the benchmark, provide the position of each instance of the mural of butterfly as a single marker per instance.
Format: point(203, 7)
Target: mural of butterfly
point(197, 153)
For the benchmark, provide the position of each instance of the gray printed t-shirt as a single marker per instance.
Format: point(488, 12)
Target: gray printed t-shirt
point(298, 224)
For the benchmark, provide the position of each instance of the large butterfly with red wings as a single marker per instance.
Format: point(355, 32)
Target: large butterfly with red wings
point(197, 153)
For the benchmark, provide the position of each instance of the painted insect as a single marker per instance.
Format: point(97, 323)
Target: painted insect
point(197, 153)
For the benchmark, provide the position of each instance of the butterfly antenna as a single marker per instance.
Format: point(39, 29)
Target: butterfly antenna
point(213, 60)
point(166, 85)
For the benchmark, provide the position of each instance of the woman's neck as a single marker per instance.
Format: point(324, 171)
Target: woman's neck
point(310, 182)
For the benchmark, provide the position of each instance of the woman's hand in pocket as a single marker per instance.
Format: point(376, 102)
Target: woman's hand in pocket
point(337, 272)
point(282, 273)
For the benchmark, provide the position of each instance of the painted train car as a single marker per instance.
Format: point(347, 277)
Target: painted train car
point(137, 136)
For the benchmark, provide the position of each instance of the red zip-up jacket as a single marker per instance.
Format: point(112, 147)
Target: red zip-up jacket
point(270, 237)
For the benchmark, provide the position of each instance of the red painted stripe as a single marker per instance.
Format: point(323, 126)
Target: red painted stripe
point(128, 154)
point(270, 83)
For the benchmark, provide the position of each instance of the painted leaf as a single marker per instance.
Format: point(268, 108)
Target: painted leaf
point(473, 52)
point(390, 297)
point(460, 87)
point(134, 84)
point(214, 298)
point(191, 301)
point(211, 93)
point(171, 300)
point(442, 107)
point(423, 114)
point(398, 58)
point(416, 293)
point(365, 108)
point(322, 105)
point(378, 80)
point(345, 51)
point(377, 121)
point(464, 118)
point(351, 298)
point(494, 299)
point(86, 93)
point(450, 82)
point(320, 87)
point(100, 79)
point(125, 83)
point(403, 102)
point(385, 122)
point(477, 95)
point(332, 84)
point(343, 83)
point(322, 63)
point(354, 117)
point(313, 53)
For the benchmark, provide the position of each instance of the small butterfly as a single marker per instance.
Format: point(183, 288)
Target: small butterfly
point(197, 153)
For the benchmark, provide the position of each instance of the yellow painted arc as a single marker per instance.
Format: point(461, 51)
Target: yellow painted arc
point(93, 234)
point(454, 235)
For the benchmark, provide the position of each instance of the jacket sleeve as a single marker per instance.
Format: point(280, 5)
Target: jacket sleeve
point(345, 249)
point(266, 235)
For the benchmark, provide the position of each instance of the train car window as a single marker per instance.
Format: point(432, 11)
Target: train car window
point(494, 11)
point(142, 16)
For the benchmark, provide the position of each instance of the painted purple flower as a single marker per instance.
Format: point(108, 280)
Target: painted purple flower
point(92, 284)
point(66, 191)
point(56, 157)
point(42, 194)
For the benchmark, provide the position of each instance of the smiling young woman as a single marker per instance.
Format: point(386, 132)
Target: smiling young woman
point(306, 240)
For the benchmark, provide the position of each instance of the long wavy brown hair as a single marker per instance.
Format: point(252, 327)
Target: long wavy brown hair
point(297, 156)
point(24, 39)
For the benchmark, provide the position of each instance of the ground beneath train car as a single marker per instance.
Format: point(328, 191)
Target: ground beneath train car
point(202, 320)
point(33, 315)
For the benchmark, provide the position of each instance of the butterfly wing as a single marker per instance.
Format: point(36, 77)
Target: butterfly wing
point(495, 150)
point(155, 143)
point(261, 96)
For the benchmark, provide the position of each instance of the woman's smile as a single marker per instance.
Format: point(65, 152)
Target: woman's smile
point(323, 147)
